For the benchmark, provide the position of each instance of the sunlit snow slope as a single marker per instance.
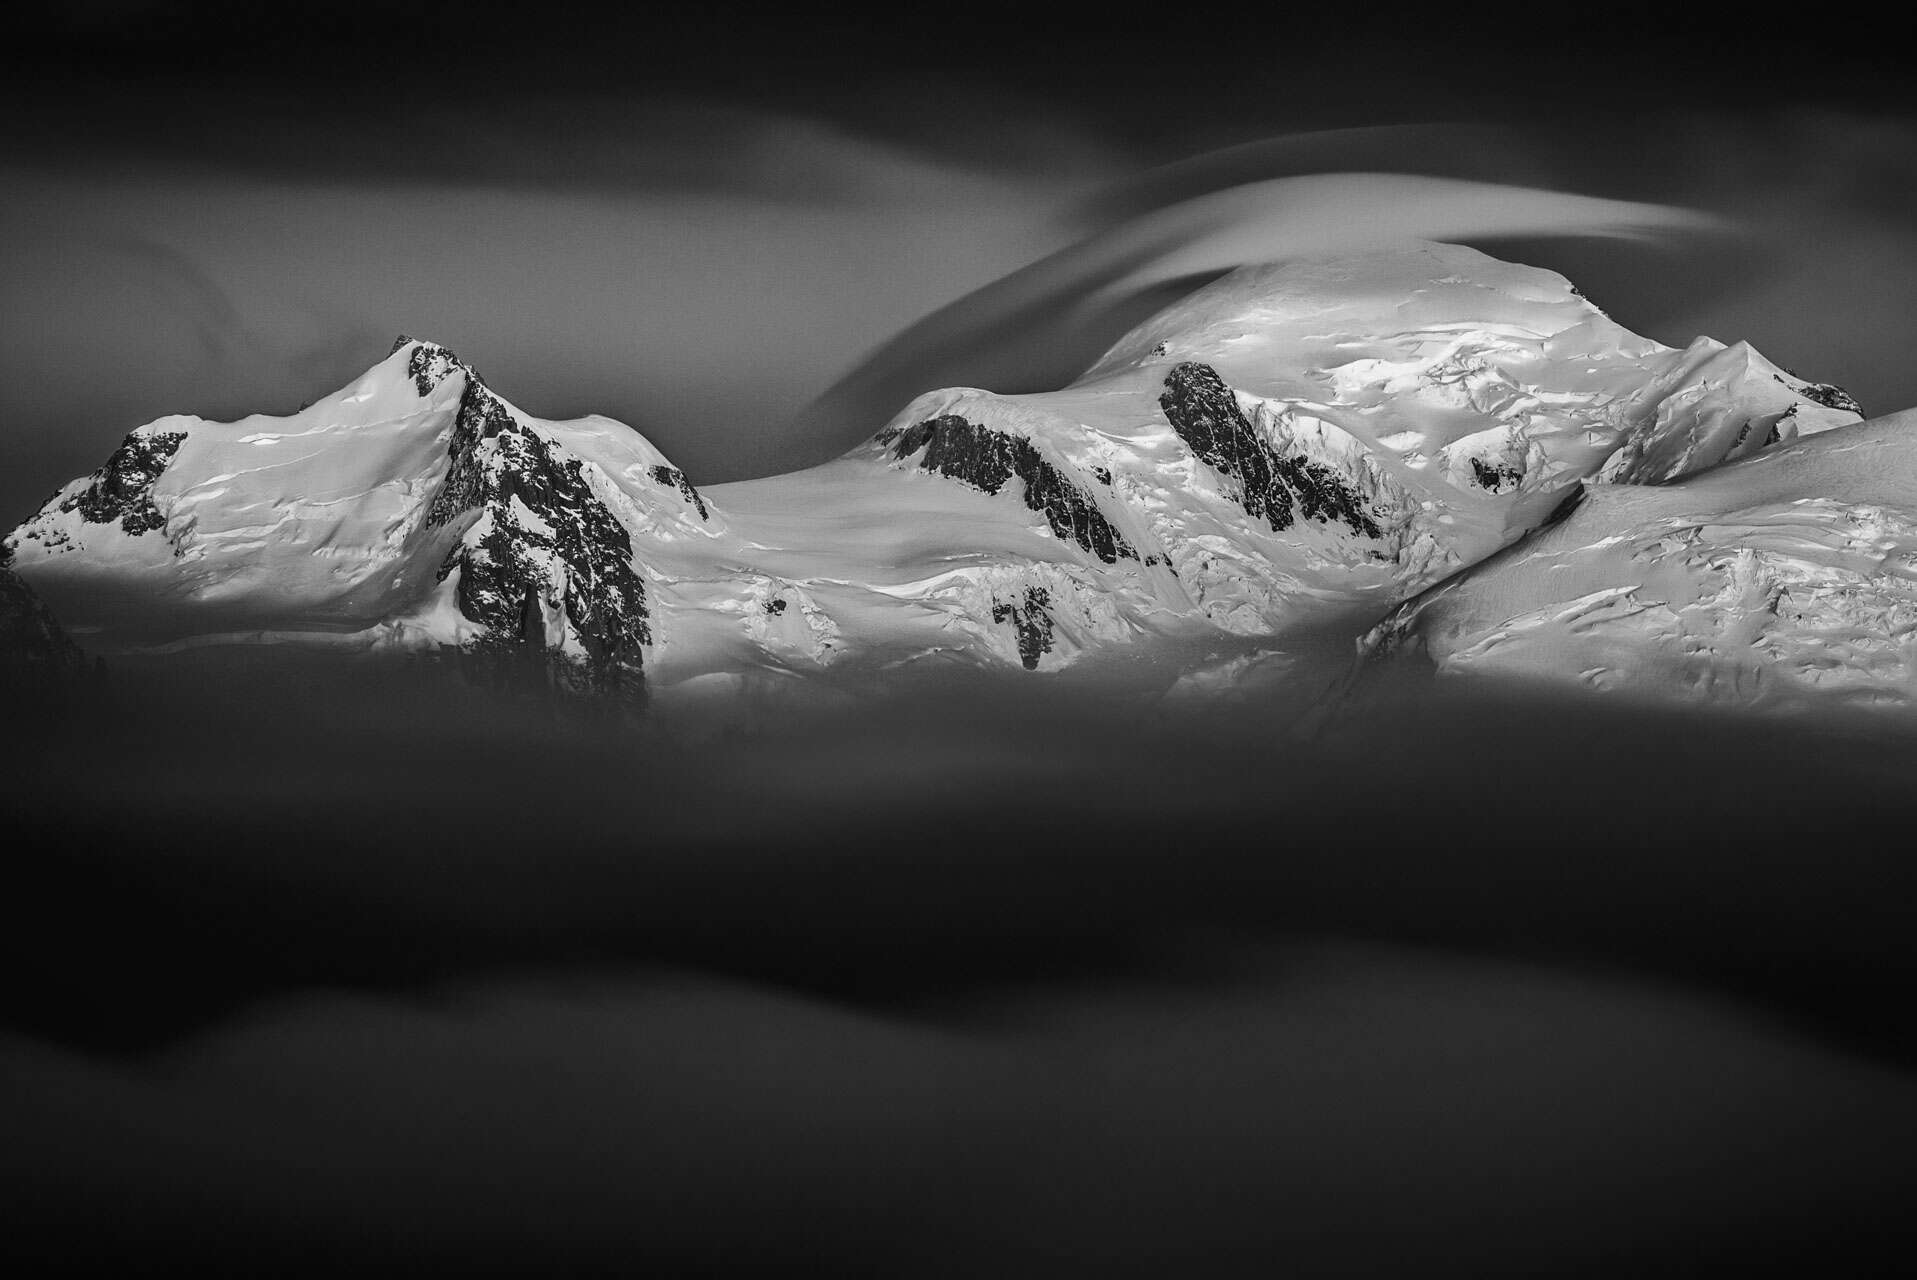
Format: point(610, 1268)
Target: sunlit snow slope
point(412, 509)
point(1296, 447)
point(1789, 580)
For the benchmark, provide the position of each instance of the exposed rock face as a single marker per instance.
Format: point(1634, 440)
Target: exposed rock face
point(1295, 448)
point(988, 459)
point(1032, 618)
point(541, 533)
point(674, 478)
point(122, 488)
point(1772, 434)
point(429, 364)
point(1828, 394)
point(1497, 477)
point(1205, 414)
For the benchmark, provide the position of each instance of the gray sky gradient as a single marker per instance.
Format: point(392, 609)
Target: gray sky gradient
point(774, 253)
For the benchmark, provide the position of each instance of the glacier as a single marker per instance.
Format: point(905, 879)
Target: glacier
point(1787, 580)
point(1377, 444)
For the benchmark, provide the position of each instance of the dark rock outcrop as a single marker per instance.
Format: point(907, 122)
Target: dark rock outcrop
point(429, 364)
point(500, 468)
point(673, 478)
point(1279, 488)
point(1828, 394)
point(1500, 477)
point(1772, 434)
point(987, 460)
point(122, 489)
point(1031, 617)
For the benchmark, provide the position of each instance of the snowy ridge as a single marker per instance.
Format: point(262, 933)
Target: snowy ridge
point(1786, 580)
point(1719, 404)
point(1295, 447)
point(1310, 442)
point(413, 509)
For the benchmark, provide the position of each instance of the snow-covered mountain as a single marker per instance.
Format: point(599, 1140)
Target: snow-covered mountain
point(413, 509)
point(1294, 448)
point(1788, 579)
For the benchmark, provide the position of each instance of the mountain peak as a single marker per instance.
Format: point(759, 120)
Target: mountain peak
point(1265, 312)
point(428, 364)
point(1299, 445)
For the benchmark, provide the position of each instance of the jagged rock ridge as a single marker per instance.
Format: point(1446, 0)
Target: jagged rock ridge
point(1031, 617)
point(1277, 488)
point(987, 459)
point(541, 536)
point(1296, 447)
point(122, 488)
point(1828, 394)
point(676, 479)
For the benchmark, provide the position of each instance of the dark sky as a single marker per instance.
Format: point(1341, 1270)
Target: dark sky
point(698, 219)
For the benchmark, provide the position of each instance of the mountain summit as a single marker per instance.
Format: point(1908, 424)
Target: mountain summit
point(1295, 447)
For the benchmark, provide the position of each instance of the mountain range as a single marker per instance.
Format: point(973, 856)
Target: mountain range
point(1412, 450)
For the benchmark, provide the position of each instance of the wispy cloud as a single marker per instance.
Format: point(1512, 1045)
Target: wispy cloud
point(756, 289)
point(1042, 325)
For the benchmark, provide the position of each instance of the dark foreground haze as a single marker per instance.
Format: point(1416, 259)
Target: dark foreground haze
point(361, 972)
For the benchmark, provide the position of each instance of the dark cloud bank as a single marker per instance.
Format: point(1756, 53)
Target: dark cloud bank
point(368, 972)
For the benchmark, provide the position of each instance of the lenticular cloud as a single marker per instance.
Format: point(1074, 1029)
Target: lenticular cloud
point(1042, 325)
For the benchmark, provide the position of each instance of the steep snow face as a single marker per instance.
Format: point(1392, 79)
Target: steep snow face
point(1720, 404)
point(414, 508)
point(1787, 580)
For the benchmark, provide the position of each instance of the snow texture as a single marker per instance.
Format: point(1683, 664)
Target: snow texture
point(1788, 581)
point(1297, 446)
